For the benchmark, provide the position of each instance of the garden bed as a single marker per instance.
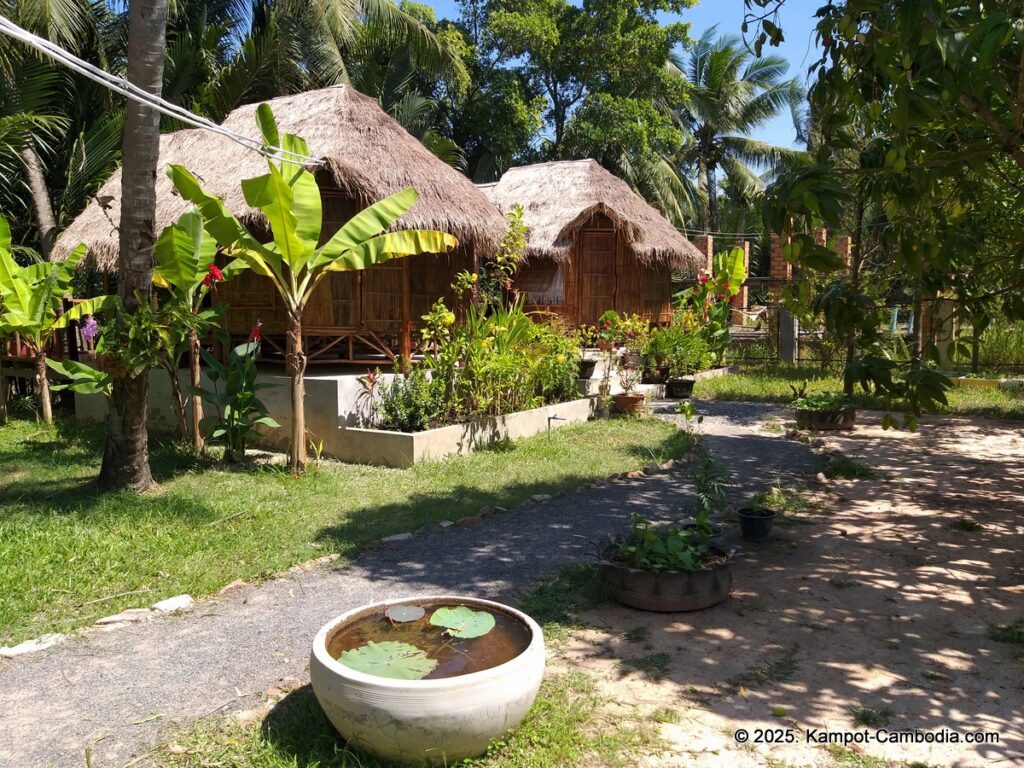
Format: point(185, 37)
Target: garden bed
point(404, 449)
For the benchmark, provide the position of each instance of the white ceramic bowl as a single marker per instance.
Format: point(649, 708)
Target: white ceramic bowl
point(435, 722)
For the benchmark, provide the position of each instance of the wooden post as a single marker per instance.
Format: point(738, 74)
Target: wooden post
point(706, 245)
point(406, 318)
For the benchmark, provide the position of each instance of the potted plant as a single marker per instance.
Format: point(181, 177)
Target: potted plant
point(634, 334)
point(684, 568)
point(629, 400)
point(756, 520)
point(689, 353)
point(824, 410)
point(586, 336)
point(429, 680)
point(607, 334)
point(655, 353)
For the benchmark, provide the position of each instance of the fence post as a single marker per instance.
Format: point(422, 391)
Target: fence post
point(789, 326)
point(706, 245)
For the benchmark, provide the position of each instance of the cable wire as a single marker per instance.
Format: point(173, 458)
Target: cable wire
point(131, 91)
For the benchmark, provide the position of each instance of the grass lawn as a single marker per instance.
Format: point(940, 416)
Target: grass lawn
point(771, 384)
point(68, 554)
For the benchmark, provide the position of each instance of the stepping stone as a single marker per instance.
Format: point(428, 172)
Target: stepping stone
point(31, 646)
point(174, 604)
point(397, 537)
point(129, 616)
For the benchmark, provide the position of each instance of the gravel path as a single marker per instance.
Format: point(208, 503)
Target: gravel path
point(114, 693)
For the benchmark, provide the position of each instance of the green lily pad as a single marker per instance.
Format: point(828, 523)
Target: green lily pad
point(403, 613)
point(400, 661)
point(463, 621)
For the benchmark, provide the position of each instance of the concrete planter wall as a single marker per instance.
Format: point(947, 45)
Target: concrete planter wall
point(403, 449)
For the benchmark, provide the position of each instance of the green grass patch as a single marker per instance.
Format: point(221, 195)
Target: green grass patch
point(566, 727)
point(556, 603)
point(1009, 633)
point(771, 384)
point(847, 758)
point(870, 717)
point(69, 555)
point(842, 467)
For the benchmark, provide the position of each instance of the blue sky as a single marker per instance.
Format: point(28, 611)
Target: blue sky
point(797, 21)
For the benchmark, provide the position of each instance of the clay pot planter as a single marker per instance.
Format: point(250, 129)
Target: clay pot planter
point(679, 389)
point(628, 403)
point(433, 722)
point(842, 418)
point(669, 590)
point(587, 368)
point(756, 524)
point(604, 346)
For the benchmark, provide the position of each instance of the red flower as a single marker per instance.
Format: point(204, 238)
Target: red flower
point(605, 325)
point(214, 275)
point(725, 286)
point(255, 335)
point(703, 277)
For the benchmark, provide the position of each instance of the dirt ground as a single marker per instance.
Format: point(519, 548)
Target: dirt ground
point(871, 615)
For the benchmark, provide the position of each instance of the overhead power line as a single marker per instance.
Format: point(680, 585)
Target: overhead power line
point(130, 91)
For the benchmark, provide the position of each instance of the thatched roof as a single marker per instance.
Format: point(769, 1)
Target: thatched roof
point(560, 198)
point(367, 153)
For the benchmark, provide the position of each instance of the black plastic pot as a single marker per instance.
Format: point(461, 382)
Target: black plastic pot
point(670, 590)
point(756, 524)
point(587, 368)
point(842, 418)
point(655, 374)
point(677, 389)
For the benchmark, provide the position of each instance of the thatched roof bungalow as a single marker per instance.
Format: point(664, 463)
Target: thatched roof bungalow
point(366, 156)
point(594, 244)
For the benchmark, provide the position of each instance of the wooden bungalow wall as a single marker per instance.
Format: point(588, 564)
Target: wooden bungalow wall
point(370, 300)
point(602, 273)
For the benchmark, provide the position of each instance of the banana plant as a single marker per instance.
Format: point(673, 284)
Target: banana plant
point(295, 261)
point(31, 304)
point(185, 268)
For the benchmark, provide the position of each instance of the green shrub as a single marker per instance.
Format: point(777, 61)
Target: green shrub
point(410, 403)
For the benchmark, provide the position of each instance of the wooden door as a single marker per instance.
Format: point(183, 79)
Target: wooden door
point(596, 273)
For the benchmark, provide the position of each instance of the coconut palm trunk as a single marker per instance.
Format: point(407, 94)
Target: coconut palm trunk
point(126, 455)
point(46, 222)
point(296, 362)
point(43, 386)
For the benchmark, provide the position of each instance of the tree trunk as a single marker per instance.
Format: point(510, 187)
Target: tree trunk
point(702, 184)
point(714, 222)
point(179, 403)
point(196, 379)
point(126, 455)
point(43, 387)
point(296, 360)
point(3, 384)
point(46, 222)
point(855, 264)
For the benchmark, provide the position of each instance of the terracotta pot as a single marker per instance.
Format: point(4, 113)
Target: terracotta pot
point(435, 722)
point(839, 419)
point(670, 590)
point(628, 403)
point(604, 346)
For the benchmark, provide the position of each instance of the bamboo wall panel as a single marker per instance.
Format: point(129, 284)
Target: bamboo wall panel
point(629, 281)
point(597, 273)
point(658, 293)
point(382, 297)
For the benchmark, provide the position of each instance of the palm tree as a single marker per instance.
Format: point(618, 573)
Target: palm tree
point(126, 454)
point(731, 94)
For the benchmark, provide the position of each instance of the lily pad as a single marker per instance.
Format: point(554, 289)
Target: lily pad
point(400, 661)
point(404, 613)
point(462, 621)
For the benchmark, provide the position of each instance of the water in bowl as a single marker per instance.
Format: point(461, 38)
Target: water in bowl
point(455, 656)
